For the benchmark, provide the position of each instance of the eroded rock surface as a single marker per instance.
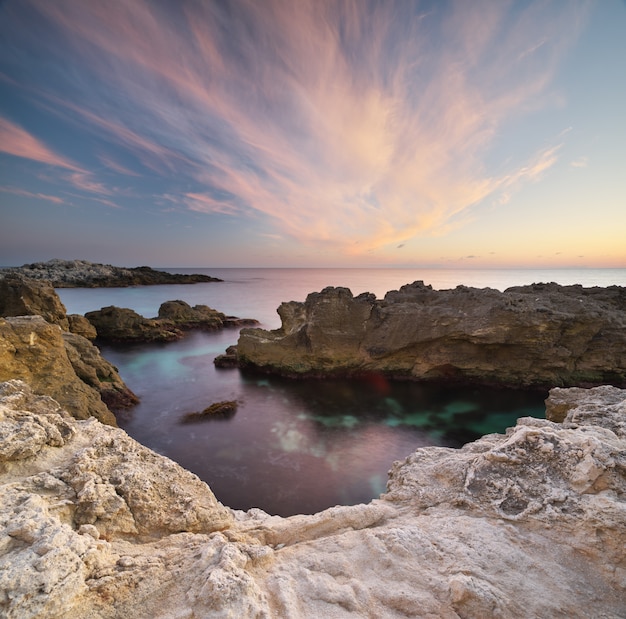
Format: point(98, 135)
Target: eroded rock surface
point(529, 524)
point(175, 317)
point(84, 274)
point(542, 335)
point(40, 343)
point(27, 297)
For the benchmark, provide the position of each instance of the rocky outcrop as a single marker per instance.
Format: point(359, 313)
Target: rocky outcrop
point(35, 345)
point(83, 274)
point(175, 317)
point(33, 350)
point(120, 324)
point(528, 524)
point(541, 335)
point(95, 371)
point(62, 365)
point(20, 296)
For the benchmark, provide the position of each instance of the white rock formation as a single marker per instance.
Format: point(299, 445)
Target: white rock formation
point(531, 524)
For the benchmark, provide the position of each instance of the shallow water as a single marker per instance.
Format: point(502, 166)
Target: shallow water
point(295, 446)
point(299, 446)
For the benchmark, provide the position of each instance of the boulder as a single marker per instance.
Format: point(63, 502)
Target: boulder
point(84, 274)
point(175, 317)
point(81, 326)
point(20, 296)
point(531, 336)
point(121, 324)
point(217, 410)
point(34, 350)
point(527, 524)
point(184, 316)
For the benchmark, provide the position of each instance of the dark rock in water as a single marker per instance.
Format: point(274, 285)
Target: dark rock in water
point(228, 359)
point(530, 336)
point(184, 316)
point(83, 274)
point(175, 317)
point(218, 410)
point(121, 324)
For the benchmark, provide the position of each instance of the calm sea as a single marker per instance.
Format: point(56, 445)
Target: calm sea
point(299, 446)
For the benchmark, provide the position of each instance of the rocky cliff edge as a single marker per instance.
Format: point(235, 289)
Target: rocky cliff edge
point(528, 524)
point(52, 351)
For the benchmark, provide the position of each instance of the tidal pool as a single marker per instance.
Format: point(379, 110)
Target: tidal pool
point(296, 446)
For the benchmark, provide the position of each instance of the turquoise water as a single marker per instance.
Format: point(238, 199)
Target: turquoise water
point(296, 446)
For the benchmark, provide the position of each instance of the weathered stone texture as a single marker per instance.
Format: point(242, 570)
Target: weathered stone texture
point(175, 317)
point(25, 297)
point(35, 351)
point(542, 335)
point(529, 524)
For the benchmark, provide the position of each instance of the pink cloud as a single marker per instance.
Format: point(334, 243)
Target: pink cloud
point(354, 154)
point(30, 194)
point(17, 142)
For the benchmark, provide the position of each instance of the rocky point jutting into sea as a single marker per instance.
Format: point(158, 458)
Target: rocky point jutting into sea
point(541, 335)
point(84, 274)
point(531, 523)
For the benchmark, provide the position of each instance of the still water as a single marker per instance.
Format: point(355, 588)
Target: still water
point(294, 446)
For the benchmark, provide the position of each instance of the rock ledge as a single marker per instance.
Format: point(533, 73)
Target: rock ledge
point(528, 524)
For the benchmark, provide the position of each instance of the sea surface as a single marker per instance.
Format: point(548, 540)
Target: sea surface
point(299, 446)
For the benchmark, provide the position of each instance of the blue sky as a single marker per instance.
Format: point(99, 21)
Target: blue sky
point(313, 133)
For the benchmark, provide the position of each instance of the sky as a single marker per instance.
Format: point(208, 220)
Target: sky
point(314, 133)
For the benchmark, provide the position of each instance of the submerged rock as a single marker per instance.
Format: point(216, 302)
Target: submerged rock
point(527, 524)
point(83, 274)
point(531, 336)
point(217, 410)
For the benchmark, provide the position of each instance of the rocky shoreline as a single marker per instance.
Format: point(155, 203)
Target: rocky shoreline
point(84, 274)
point(118, 324)
point(528, 524)
point(541, 336)
point(531, 523)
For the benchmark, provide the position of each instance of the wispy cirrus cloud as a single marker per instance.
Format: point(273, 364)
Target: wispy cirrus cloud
point(16, 141)
point(346, 123)
point(30, 194)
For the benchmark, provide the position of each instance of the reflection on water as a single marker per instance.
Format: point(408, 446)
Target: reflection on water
point(296, 446)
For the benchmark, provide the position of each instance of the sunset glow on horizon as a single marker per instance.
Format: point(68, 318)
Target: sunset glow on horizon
point(313, 133)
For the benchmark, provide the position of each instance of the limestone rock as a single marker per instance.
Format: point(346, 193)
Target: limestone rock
point(72, 494)
point(528, 524)
point(94, 370)
point(83, 274)
point(81, 326)
point(125, 325)
point(24, 297)
point(175, 317)
point(34, 350)
point(541, 335)
point(184, 316)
